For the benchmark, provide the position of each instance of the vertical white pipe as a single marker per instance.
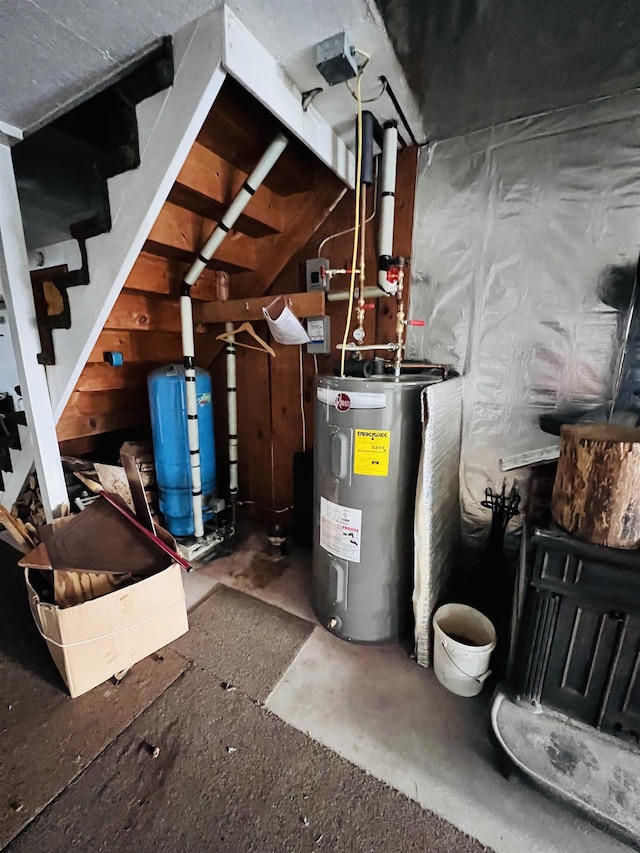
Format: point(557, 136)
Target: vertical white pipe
point(188, 349)
point(232, 413)
point(267, 161)
point(387, 203)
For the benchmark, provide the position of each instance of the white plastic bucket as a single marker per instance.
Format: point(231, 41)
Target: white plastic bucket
point(463, 641)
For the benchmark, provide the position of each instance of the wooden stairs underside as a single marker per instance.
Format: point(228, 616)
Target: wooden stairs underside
point(61, 174)
point(144, 324)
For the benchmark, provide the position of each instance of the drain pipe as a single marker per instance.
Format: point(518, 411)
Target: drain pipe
point(268, 160)
point(387, 204)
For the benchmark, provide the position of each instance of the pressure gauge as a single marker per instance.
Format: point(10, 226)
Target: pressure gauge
point(358, 335)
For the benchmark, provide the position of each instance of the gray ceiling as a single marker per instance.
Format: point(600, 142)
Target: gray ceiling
point(470, 63)
point(54, 52)
point(473, 63)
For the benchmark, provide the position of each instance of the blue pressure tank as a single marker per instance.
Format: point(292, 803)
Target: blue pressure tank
point(168, 405)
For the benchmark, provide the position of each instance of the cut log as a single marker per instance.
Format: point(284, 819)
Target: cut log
point(596, 495)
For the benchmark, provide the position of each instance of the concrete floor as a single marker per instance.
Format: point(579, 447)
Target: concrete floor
point(182, 754)
point(377, 708)
point(235, 771)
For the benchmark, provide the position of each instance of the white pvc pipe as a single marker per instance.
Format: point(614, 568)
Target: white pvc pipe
point(267, 161)
point(232, 412)
point(387, 204)
point(188, 351)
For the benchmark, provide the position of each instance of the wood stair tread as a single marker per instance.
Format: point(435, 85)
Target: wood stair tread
point(240, 128)
point(163, 276)
point(207, 184)
point(138, 346)
point(137, 312)
point(180, 233)
point(102, 411)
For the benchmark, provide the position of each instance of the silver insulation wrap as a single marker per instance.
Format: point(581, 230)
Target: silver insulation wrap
point(437, 515)
point(518, 228)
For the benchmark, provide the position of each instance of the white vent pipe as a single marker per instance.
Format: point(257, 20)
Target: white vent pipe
point(268, 160)
point(387, 204)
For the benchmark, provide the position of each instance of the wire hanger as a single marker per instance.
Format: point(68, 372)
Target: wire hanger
point(246, 327)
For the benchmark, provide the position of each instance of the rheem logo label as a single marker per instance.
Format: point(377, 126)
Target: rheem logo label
point(342, 402)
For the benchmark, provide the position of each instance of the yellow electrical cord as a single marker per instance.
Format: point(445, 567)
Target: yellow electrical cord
point(356, 233)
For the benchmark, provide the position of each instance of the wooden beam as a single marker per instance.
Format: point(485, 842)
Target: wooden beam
point(309, 304)
point(180, 233)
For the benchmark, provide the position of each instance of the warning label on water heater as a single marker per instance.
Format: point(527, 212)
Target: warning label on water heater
point(340, 529)
point(371, 452)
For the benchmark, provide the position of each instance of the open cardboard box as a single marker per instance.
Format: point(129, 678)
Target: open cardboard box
point(93, 640)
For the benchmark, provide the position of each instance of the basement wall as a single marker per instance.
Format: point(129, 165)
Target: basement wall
point(518, 231)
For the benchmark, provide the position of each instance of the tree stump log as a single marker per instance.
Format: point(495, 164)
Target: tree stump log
point(596, 494)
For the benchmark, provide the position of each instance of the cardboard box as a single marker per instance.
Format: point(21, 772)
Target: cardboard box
point(92, 641)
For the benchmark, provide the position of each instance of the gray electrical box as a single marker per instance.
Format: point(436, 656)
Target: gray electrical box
point(336, 59)
point(316, 274)
point(319, 330)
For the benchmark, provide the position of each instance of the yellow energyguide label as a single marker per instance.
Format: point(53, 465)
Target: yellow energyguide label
point(371, 452)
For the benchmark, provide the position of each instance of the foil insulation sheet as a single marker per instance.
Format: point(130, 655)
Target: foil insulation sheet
point(437, 516)
point(526, 236)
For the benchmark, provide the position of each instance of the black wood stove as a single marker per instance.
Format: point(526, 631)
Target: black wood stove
point(569, 713)
point(578, 645)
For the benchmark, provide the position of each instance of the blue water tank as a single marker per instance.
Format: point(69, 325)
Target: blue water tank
point(168, 405)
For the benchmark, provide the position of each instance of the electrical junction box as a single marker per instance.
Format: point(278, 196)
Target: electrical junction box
point(319, 331)
point(316, 274)
point(336, 59)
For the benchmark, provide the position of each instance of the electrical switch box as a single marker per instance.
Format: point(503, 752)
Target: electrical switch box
point(319, 331)
point(336, 59)
point(316, 274)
